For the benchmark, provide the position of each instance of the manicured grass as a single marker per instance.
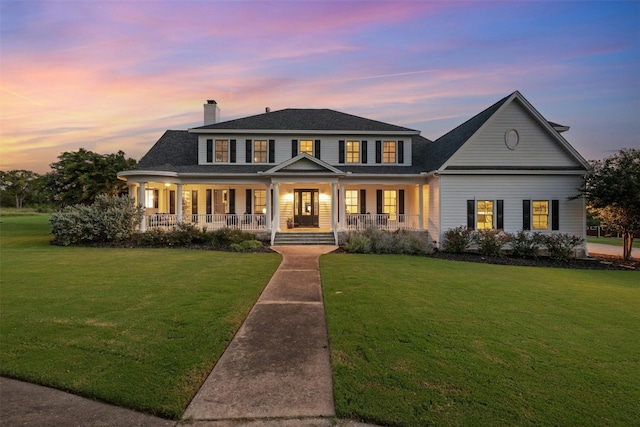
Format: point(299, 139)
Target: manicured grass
point(418, 341)
point(613, 241)
point(138, 328)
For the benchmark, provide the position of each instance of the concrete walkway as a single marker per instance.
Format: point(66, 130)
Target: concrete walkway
point(610, 250)
point(277, 367)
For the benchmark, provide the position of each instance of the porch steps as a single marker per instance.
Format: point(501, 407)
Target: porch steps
point(303, 238)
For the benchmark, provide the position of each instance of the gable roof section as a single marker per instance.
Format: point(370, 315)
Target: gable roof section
point(294, 119)
point(446, 147)
point(174, 148)
point(303, 164)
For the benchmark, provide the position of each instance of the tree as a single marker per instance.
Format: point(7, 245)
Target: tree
point(80, 176)
point(612, 191)
point(18, 184)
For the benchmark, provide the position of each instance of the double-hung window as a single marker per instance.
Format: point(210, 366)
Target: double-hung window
point(222, 151)
point(390, 203)
point(389, 152)
point(306, 146)
point(260, 201)
point(353, 151)
point(260, 150)
point(151, 198)
point(484, 217)
point(351, 201)
point(540, 214)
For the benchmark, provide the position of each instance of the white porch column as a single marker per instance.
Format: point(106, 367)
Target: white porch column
point(334, 206)
point(421, 207)
point(343, 208)
point(276, 205)
point(179, 202)
point(267, 219)
point(141, 201)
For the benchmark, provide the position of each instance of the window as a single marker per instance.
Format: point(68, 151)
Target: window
point(306, 146)
point(260, 150)
point(390, 204)
point(389, 152)
point(484, 219)
point(222, 150)
point(186, 202)
point(351, 201)
point(219, 201)
point(260, 201)
point(540, 214)
point(353, 151)
point(151, 198)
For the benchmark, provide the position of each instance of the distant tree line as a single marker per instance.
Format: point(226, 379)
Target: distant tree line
point(78, 177)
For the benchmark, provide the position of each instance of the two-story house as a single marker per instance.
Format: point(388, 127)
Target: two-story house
point(326, 171)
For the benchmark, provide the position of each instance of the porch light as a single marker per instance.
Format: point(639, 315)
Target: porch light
point(324, 197)
point(288, 197)
point(264, 210)
point(166, 184)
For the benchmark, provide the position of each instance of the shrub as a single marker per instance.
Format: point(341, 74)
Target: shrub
point(108, 219)
point(490, 241)
point(561, 246)
point(456, 240)
point(384, 242)
point(246, 245)
point(227, 236)
point(525, 245)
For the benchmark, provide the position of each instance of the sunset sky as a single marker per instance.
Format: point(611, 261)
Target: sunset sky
point(114, 75)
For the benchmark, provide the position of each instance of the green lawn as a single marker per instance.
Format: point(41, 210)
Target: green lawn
point(613, 241)
point(138, 328)
point(418, 341)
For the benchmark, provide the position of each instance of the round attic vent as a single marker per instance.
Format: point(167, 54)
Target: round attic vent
point(511, 139)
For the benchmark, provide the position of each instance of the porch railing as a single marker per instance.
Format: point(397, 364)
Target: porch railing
point(248, 222)
point(390, 222)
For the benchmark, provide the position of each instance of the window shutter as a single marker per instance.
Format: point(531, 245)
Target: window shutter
point(208, 201)
point(232, 201)
point(172, 202)
point(209, 150)
point(364, 152)
point(341, 151)
point(194, 202)
point(500, 215)
point(247, 208)
point(471, 214)
point(294, 147)
point(248, 151)
point(379, 201)
point(272, 151)
point(378, 151)
point(401, 205)
point(156, 197)
point(232, 149)
point(363, 201)
point(400, 151)
point(316, 149)
point(526, 214)
point(555, 214)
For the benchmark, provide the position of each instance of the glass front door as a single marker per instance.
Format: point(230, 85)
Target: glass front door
point(305, 208)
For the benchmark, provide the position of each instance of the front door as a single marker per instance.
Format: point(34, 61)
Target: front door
point(305, 208)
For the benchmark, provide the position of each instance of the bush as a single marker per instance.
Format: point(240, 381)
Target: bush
point(247, 245)
point(383, 242)
point(456, 240)
point(108, 219)
point(227, 236)
point(525, 245)
point(561, 246)
point(490, 241)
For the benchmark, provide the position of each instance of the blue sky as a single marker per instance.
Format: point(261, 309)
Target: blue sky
point(113, 75)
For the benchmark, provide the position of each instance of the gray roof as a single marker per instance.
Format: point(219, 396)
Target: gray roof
point(307, 119)
point(444, 147)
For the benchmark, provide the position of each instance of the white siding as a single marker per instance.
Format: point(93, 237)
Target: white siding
point(432, 202)
point(536, 146)
point(456, 190)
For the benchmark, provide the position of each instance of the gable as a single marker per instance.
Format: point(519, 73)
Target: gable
point(515, 138)
point(303, 164)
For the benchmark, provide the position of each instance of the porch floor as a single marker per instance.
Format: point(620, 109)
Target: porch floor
point(305, 230)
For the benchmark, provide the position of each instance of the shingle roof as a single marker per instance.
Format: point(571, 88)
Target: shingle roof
point(307, 119)
point(444, 147)
point(174, 148)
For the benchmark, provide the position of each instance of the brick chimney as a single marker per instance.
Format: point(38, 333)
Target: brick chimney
point(211, 112)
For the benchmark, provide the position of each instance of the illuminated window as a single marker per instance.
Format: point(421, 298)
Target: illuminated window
point(353, 151)
point(306, 146)
point(151, 198)
point(540, 214)
point(186, 202)
point(222, 150)
point(219, 201)
point(259, 201)
point(351, 201)
point(260, 151)
point(389, 152)
point(390, 205)
point(484, 219)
